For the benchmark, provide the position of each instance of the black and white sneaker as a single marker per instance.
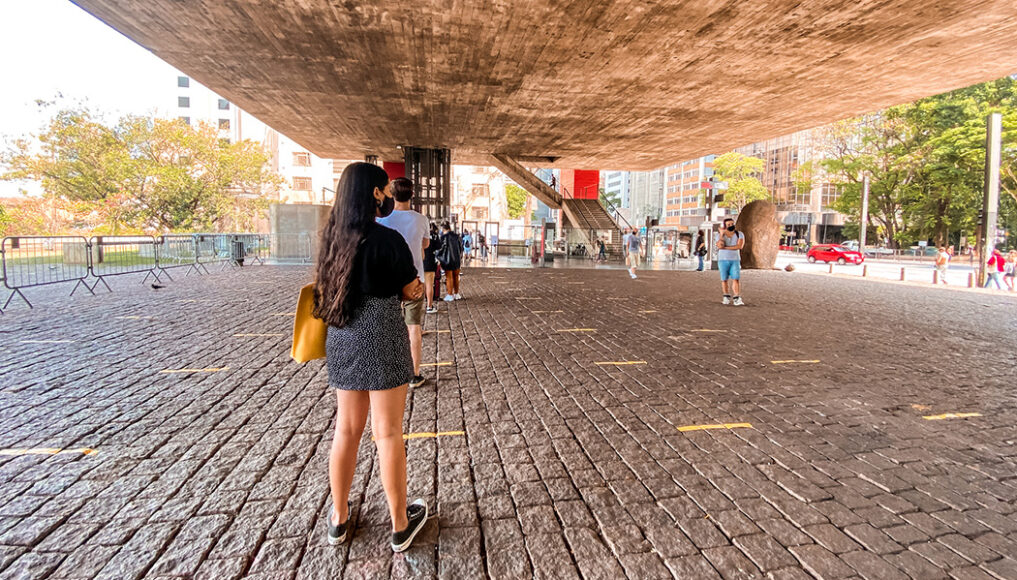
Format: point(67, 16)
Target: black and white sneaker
point(416, 513)
point(337, 533)
point(432, 309)
point(417, 380)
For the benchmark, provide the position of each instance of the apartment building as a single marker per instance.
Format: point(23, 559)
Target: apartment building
point(684, 204)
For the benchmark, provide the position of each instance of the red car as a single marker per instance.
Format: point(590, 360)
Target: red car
point(834, 253)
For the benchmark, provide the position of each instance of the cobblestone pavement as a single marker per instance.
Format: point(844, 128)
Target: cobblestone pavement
point(566, 467)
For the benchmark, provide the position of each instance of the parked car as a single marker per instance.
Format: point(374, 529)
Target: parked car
point(834, 253)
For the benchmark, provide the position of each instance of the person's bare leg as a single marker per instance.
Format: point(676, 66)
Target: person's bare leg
point(416, 346)
point(351, 417)
point(387, 408)
point(723, 286)
point(736, 287)
point(429, 288)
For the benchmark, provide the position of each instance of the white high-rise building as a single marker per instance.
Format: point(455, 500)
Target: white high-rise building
point(308, 178)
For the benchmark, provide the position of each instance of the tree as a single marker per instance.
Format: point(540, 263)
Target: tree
point(739, 171)
point(143, 174)
point(608, 199)
point(515, 200)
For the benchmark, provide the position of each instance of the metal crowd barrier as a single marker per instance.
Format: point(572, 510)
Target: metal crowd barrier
point(117, 255)
point(42, 260)
point(28, 261)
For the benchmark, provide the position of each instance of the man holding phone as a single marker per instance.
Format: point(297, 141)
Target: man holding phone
point(729, 261)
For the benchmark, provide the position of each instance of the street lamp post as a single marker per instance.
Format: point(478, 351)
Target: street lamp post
point(990, 198)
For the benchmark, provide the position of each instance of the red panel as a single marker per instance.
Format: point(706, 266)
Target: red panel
point(394, 169)
point(586, 183)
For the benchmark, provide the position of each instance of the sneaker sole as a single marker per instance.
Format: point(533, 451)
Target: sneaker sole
point(405, 545)
point(337, 541)
point(415, 385)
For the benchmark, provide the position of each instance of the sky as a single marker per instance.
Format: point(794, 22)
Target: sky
point(52, 47)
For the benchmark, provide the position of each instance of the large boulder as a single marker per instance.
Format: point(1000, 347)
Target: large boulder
point(758, 221)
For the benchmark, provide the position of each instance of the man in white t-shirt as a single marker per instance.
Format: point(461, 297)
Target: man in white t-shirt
point(414, 229)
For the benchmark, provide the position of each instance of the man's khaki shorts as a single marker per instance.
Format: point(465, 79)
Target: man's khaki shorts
point(633, 260)
point(413, 312)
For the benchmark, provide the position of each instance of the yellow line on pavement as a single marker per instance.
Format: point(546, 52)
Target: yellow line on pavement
point(547, 311)
point(647, 311)
point(46, 451)
point(436, 364)
point(285, 314)
point(707, 330)
point(716, 426)
point(206, 370)
point(950, 416)
point(784, 362)
point(622, 362)
point(432, 435)
point(577, 330)
point(260, 334)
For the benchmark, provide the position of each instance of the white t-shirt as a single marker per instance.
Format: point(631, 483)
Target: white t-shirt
point(414, 230)
point(731, 240)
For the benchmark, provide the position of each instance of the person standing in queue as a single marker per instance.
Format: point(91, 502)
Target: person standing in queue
point(729, 262)
point(413, 227)
point(431, 268)
point(450, 256)
point(363, 269)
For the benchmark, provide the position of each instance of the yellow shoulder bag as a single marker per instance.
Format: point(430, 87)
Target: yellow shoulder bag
point(308, 332)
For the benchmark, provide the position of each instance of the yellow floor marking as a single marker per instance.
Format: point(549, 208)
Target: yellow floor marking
point(950, 416)
point(918, 407)
point(207, 370)
point(622, 362)
point(783, 362)
point(45, 341)
point(647, 311)
point(436, 364)
point(717, 426)
point(617, 298)
point(46, 451)
point(547, 311)
point(707, 330)
point(285, 314)
point(577, 330)
point(432, 435)
point(260, 334)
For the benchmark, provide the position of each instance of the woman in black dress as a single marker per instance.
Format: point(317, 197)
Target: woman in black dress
point(363, 270)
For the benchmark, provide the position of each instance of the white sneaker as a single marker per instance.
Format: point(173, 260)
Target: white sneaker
point(726, 300)
point(738, 301)
point(633, 275)
point(459, 296)
point(448, 298)
point(432, 309)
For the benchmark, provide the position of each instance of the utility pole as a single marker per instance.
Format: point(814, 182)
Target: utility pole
point(990, 198)
point(864, 220)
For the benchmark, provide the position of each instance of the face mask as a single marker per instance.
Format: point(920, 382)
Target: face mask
point(385, 206)
point(730, 228)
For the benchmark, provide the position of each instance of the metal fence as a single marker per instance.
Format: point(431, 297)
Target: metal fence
point(29, 261)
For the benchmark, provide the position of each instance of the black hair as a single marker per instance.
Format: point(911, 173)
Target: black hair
point(402, 189)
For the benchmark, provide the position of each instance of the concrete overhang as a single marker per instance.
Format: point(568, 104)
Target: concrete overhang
point(625, 84)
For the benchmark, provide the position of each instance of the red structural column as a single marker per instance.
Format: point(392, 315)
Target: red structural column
point(580, 183)
point(394, 169)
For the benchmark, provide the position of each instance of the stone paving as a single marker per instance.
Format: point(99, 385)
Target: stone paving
point(566, 467)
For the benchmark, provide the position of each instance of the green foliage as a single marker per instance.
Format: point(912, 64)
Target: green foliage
point(608, 199)
point(926, 163)
point(740, 171)
point(143, 173)
point(515, 200)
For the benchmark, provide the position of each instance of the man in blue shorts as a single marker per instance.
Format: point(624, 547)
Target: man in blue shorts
point(729, 261)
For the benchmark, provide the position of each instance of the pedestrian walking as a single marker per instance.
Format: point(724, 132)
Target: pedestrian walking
point(431, 268)
point(601, 250)
point(494, 246)
point(467, 245)
point(994, 269)
point(413, 227)
point(482, 244)
point(700, 249)
point(633, 247)
point(363, 269)
point(942, 263)
point(1010, 270)
point(729, 261)
point(450, 257)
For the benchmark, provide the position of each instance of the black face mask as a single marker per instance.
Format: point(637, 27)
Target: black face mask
point(730, 228)
point(385, 206)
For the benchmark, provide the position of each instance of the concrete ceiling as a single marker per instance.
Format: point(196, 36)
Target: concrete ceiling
point(623, 84)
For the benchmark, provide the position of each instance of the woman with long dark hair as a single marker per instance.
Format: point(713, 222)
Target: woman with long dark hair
point(363, 270)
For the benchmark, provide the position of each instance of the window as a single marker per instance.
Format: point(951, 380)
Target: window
point(186, 120)
point(224, 124)
point(183, 102)
point(183, 82)
point(224, 105)
point(302, 159)
point(302, 183)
